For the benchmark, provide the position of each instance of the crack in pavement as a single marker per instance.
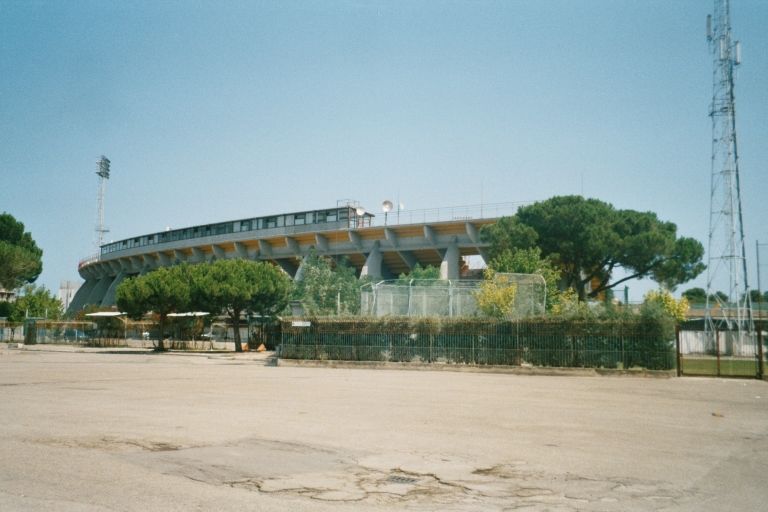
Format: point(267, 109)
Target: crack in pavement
point(319, 473)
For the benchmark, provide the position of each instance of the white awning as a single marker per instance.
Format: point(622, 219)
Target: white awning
point(190, 313)
point(105, 313)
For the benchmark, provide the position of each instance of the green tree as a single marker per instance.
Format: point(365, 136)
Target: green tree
point(756, 297)
point(589, 240)
point(506, 235)
point(327, 287)
point(529, 261)
point(20, 258)
point(162, 291)
point(273, 291)
point(36, 301)
point(719, 296)
point(420, 273)
point(695, 295)
point(237, 286)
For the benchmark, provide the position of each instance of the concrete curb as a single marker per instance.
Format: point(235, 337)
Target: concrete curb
point(267, 357)
point(513, 370)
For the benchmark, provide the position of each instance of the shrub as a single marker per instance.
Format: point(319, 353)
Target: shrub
point(639, 341)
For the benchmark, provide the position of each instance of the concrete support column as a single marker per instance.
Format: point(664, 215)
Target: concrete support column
point(78, 301)
point(218, 252)
point(300, 271)
point(287, 266)
point(372, 266)
point(109, 297)
point(449, 268)
point(98, 292)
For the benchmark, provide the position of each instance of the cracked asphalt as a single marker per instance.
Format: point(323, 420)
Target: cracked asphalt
point(91, 430)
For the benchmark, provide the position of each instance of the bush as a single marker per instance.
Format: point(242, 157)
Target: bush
point(640, 341)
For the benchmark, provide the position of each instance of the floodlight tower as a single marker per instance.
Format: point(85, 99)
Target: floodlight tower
point(103, 174)
point(727, 253)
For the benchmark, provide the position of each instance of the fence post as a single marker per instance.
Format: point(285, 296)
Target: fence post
point(677, 348)
point(760, 374)
point(717, 350)
point(431, 340)
point(410, 284)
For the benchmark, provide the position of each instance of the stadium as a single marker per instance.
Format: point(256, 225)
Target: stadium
point(379, 248)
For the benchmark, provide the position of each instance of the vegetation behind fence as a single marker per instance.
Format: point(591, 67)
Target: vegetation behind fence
point(622, 344)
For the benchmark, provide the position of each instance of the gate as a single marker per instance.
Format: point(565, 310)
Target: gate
point(722, 353)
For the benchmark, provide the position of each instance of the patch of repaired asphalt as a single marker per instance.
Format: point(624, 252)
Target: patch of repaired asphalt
point(303, 471)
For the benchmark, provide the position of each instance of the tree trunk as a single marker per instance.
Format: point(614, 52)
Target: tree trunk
point(236, 327)
point(161, 327)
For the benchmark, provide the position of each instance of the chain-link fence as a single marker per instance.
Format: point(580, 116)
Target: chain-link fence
point(420, 297)
point(449, 298)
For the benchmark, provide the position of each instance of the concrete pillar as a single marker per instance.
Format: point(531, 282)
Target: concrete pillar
point(109, 297)
point(218, 252)
point(287, 266)
point(98, 292)
point(372, 266)
point(78, 301)
point(300, 271)
point(449, 268)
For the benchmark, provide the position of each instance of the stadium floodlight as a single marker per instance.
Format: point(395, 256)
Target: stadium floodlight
point(103, 174)
point(103, 167)
point(386, 207)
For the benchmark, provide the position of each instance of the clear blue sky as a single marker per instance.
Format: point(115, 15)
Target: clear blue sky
point(221, 110)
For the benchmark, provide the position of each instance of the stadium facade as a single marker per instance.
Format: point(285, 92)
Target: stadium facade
point(439, 237)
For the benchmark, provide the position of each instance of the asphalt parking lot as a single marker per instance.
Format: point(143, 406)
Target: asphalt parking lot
point(96, 430)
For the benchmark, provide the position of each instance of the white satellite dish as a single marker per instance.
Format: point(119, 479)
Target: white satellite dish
point(360, 211)
point(387, 206)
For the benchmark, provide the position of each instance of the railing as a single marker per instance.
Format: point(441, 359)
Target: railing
point(759, 310)
point(448, 213)
point(93, 258)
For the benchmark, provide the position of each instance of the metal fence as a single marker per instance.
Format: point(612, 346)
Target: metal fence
point(596, 344)
point(11, 331)
point(448, 298)
point(180, 333)
point(420, 297)
point(33, 331)
point(106, 332)
point(722, 353)
point(399, 216)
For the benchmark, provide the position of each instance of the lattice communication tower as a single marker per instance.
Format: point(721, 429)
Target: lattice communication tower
point(727, 253)
point(103, 174)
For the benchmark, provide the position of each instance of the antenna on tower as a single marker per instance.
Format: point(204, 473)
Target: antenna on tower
point(727, 265)
point(103, 174)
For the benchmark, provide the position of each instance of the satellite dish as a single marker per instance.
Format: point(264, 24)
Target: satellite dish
point(387, 206)
point(360, 211)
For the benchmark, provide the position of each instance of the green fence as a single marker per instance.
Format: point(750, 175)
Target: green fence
point(574, 344)
point(722, 352)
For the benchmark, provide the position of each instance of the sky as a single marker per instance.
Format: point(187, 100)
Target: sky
point(221, 110)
